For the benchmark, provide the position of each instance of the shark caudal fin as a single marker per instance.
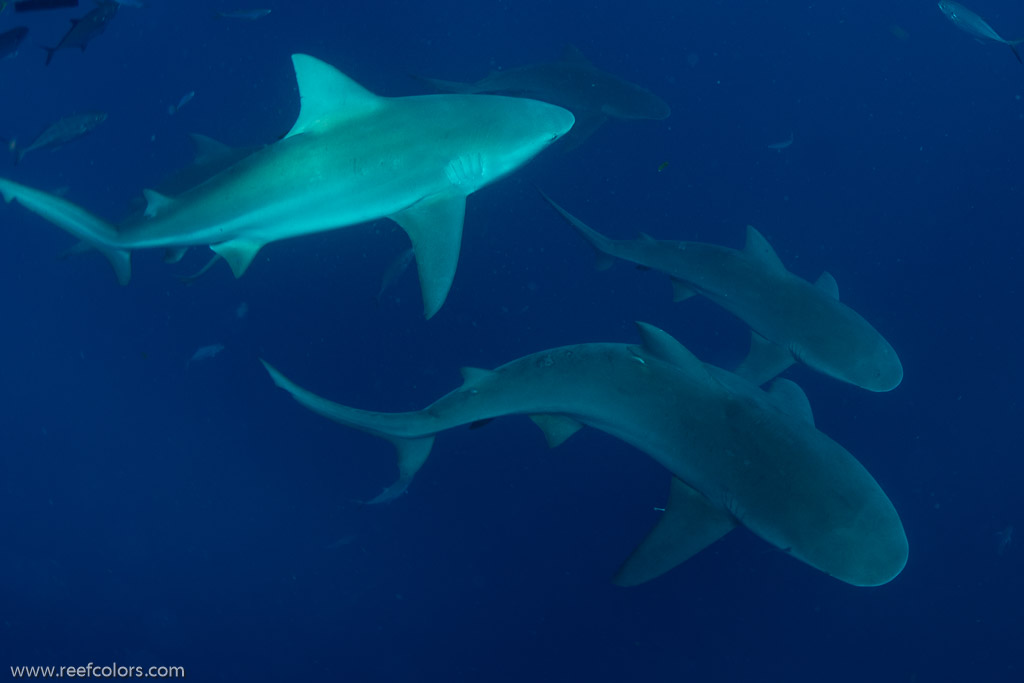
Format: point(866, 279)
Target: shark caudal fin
point(600, 243)
point(94, 231)
point(412, 450)
point(1013, 46)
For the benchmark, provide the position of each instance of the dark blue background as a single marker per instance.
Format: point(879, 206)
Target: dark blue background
point(153, 513)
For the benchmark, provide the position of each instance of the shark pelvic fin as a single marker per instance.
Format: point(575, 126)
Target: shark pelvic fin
point(155, 202)
point(757, 247)
point(327, 96)
point(556, 428)
point(688, 525)
point(764, 361)
point(791, 399)
point(174, 254)
point(665, 347)
point(828, 284)
point(412, 453)
point(434, 226)
point(239, 253)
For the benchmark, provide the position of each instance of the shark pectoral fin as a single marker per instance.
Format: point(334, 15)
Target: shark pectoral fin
point(688, 525)
point(75, 220)
point(791, 399)
point(828, 284)
point(327, 96)
point(556, 428)
point(412, 453)
point(435, 228)
point(764, 361)
point(663, 346)
point(174, 254)
point(155, 202)
point(239, 253)
point(681, 291)
point(757, 247)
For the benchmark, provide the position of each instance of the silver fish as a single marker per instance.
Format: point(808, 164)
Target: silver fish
point(971, 23)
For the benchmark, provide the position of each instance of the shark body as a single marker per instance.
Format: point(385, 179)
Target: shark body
point(351, 157)
point(738, 455)
point(592, 95)
point(791, 319)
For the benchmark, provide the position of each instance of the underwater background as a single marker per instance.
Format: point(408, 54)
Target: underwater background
point(157, 511)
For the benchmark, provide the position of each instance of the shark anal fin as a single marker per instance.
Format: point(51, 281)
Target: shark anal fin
point(556, 428)
point(688, 525)
point(681, 291)
point(239, 253)
point(412, 453)
point(434, 226)
point(764, 361)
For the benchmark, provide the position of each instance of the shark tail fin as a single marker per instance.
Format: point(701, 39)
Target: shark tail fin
point(50, 52)
point(72, 218)
point(1013, 46)
point(602, 245)
point(412, 449)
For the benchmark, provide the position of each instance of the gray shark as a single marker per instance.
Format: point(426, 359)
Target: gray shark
point(791, 319)
point(739, 455)
point(592, 95)
point(350, 158)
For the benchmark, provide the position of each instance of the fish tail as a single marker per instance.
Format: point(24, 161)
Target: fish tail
point(73, 219)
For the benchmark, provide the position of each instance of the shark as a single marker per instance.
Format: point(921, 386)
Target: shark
point(351, 157)
point(790, 318)
point(573, 82)
point(738, 455)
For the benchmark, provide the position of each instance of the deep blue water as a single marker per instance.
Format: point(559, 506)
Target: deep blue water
point(153, 512)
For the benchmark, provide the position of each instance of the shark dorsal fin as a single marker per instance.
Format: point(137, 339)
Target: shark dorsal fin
point(689, 524)
point(644, 237)
point(681, 291)
point(764, 361)
point(573, 55)
point(556, 428)
point(791, 399)
point(155, 202)
point(474, 375)
point(757, 247)
point(208, 150)
point(663, 346)
point(827, 284)
point(327, 95)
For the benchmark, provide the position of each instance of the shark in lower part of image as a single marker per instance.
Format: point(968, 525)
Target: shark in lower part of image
point(350, 158)
point(592, 95)
point(738, 455)
point(790, 318)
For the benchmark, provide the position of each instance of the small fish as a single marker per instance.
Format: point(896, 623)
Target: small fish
point(246, 14)
point(662, 166)
point(185, 99)
point(85, 29)
point(60, 132)
point(205, 353)
point(10, 40)
point(971, 23)
point(779, 146)
point(395, 271)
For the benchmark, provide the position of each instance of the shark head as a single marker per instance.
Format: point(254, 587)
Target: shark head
point(509, 131)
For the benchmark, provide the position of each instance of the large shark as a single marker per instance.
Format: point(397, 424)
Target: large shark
point(738, 455)
point(790, 318)
point(592, 95)
point(351, 157)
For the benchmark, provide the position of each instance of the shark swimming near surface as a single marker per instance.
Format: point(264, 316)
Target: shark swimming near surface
point(592, 95)
point(739, 456)
point(351, 157)
point(790, 318)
